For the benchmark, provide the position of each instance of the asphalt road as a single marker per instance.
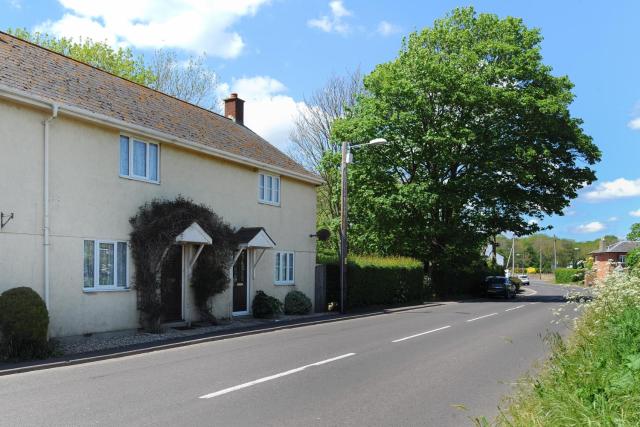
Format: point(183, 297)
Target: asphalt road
point(419, 367)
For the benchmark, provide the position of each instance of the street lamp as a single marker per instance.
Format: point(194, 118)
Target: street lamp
point(347, 158)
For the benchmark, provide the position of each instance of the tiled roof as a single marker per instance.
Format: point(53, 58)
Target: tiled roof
point(623, 246)
point(57, 78)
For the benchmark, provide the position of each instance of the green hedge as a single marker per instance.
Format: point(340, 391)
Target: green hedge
point(569, 275)
point(377, 281)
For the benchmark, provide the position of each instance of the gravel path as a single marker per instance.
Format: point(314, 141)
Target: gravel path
point(106, 341)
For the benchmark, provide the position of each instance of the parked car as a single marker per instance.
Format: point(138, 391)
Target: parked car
point(524, 279)
point(500, 286)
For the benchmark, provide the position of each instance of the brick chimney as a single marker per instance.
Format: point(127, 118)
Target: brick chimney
point(603, 245)
point(234, 108)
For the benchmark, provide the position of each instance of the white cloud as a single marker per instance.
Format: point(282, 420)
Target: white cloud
point(16, 4)
point(612, 219)
point(335, 22)
point(591, 227)
point(615, 189)
point(194, 25)
point(532, 221)
point(634, 123)
point(387, 28)
point(268, 111)
point(635, 213)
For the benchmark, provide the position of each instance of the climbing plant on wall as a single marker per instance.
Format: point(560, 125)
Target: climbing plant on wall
point(155, 228)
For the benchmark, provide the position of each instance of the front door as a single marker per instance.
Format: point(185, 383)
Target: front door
point(171, 284)
point(240, 285)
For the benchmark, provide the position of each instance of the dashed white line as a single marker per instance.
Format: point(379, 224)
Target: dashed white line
point(421, 333)
point(514, 308)
point(273, 377)
point(482, 317)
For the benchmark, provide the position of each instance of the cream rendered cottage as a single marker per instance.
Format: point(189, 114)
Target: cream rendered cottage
point(81, 150)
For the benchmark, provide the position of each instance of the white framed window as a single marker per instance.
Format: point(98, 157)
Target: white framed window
point(106, 265)
point(285, 268)
point(269, 189)
point(139, 159)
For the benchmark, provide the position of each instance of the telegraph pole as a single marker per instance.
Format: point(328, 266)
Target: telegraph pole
point(555, 255)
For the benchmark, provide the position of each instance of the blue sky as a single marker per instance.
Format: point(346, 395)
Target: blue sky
point(275, 52)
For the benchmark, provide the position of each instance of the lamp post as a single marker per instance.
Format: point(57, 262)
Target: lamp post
point(346, 159)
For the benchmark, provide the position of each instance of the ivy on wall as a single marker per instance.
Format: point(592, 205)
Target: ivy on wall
point(155, 228)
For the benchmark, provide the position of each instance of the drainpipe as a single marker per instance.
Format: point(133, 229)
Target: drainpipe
point(45, 219)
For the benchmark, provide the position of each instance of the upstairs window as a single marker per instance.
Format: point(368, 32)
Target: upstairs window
point(139, 160)
point(269, 189)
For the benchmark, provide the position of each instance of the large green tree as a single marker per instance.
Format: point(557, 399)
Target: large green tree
point(481, 140)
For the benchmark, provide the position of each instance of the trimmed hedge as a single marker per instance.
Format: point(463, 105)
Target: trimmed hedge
point(377, 281)
point(569, 275)
point(297, 302)
point(24, 321)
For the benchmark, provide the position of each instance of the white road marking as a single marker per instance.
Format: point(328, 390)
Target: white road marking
point(421, 333)
point(482, 317)
point(273, 377)
point(514, 308)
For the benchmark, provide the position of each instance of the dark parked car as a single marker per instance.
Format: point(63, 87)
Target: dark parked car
point(499, 285)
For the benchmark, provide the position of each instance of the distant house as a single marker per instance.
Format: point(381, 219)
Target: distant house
point(488, 252)
point(608, 258)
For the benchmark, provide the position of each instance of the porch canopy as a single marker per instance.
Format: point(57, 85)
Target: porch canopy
point(253, 238)
point(194, 235)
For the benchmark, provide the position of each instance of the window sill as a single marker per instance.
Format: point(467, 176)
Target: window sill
point(98, 290)
point(134, 178)
point(285, 283)
point(264, 202)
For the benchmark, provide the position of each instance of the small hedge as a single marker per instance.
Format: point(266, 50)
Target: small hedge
point(569, 275)
point(297, 302)
point(24, 321)
point(377, 281)
point(265, 306)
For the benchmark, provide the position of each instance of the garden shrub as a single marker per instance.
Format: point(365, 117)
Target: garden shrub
point(24, 321)
point(265, 306)
point(569, 275)
point(297, 302)
point(633, 259)
point(378, 281)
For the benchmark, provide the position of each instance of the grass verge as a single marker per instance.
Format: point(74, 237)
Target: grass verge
point(592, 379)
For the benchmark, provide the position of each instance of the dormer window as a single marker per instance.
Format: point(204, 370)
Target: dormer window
point(269, 189)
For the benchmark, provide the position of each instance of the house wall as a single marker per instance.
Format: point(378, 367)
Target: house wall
point(89, 200)
point(603, 265)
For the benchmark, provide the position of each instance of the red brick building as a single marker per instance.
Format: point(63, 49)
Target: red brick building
point(608, 258)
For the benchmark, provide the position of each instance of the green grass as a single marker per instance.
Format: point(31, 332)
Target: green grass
point(593, 379)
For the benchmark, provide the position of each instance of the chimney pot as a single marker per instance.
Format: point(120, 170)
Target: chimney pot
point(234, 108)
